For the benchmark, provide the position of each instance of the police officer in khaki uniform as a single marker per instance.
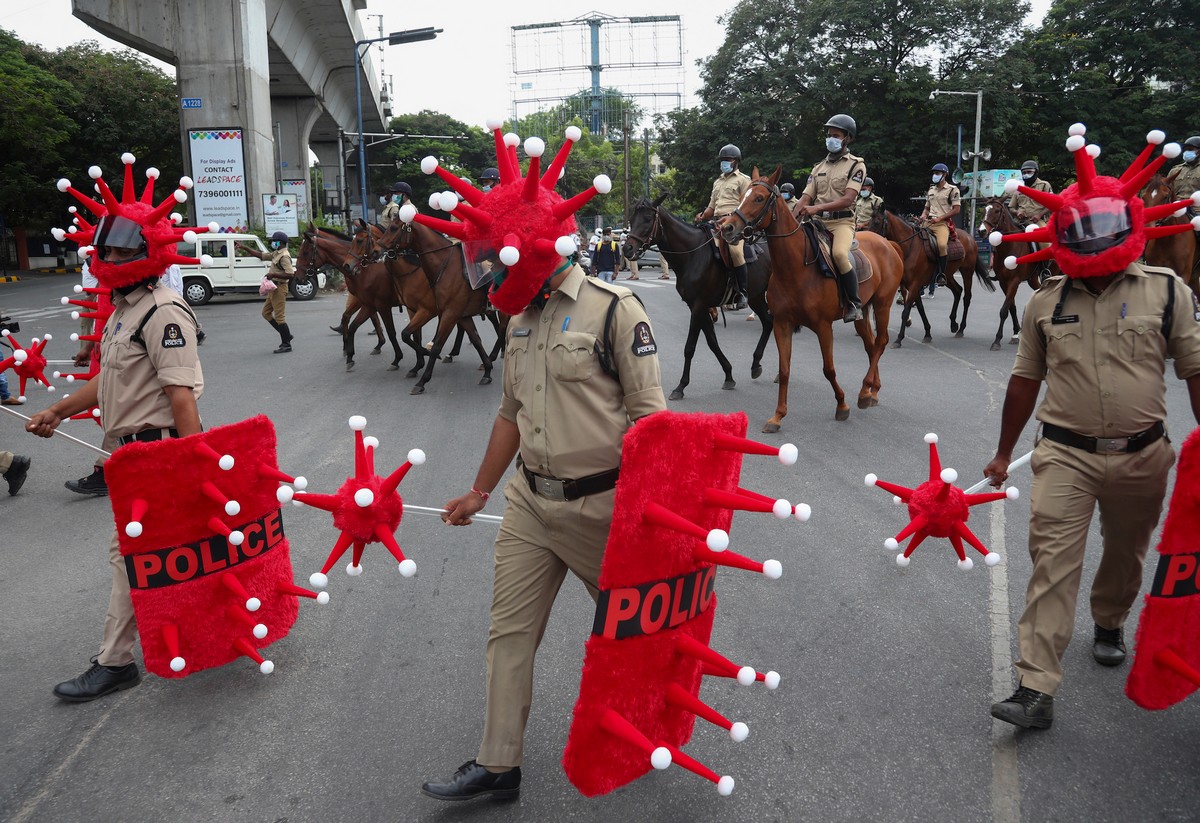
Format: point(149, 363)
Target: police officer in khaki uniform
point(727, 192)
point(1185, 178)
point(563, 416)
point(281, 271)
point(942, 204)
point(1026, 209)
point(147, 390)
point(867, 206)
point(1100, 343)
point(401, 192)
point(829, 195)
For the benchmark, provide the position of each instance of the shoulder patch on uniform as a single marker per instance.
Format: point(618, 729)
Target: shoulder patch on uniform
point(1196, 307)
point(643, 340)
point(858, 176)
point(173, 337)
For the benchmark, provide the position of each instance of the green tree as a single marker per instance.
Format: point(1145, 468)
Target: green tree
point(461, 149)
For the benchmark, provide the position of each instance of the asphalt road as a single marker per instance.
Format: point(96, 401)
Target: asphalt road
point(887, 673)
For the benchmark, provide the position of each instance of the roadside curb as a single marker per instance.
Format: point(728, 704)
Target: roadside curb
point(9, 278)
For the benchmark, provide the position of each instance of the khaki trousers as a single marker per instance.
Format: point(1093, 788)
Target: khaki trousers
point(1067, 485)
point(120, 630)
point(275, 305)
point(941, 233)
point(842, 230)
point(539, 541)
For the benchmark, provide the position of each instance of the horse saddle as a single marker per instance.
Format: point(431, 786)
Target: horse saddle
point(720, 249)
point(954, 247)
point(821, 239)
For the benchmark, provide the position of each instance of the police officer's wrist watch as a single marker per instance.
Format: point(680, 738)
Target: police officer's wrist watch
point(483, 495)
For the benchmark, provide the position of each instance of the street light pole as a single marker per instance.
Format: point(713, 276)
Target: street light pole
point(978, 95)
point(394, 39)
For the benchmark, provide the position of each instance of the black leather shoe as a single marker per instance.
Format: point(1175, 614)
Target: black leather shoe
point(16, 473)
point(284, 348)
point(97, 682)
point(472, 780)
point(1027, 708)
point(92, 484)
point(1109, 647)
point(853, 314)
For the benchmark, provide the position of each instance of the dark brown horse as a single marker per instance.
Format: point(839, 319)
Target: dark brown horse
point(701, 280)
point(445, 271)
point(1175, 251)
point(799, 295)
point(352, 304)
point(997, 217)
point(318, 249)
point(919, 269)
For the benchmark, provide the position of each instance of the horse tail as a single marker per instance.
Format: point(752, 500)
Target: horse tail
point(981, 274)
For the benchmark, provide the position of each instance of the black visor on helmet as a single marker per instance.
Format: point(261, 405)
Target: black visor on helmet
point(1095, 225)
point(120, 232)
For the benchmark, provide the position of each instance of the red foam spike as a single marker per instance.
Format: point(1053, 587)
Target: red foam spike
point(1135, 183)
point(447, 227)
point(263, 470)
point(1085, 171)
point(477, 216)
point(229, 581)
point(719, 498)
point(240, 616)
point(170, 636)
point(691, 764)
point(550, 178)
point(356, 558)
point(964, 531)
point(1165, 231)
point(918, 523)
point(619, 727)
point(339, 548)
point(658, 515)
point(88, 203)
point(1170, 659)
point(679, 697)
point(729, 442)
point(507, 173)
point(1037, 256)
point(210, 490)
point(902, 492)
point(246, 648)
point(138, 509)
point(166, 207)
point(935, 462)
point(755, 495)
point(573, 204)
point(529, 192)
point(215, 523)
point(471, 194)
point(106, 193)
point(985, 497)
point(389, 541)
point(393, 479)
point(917, 540)
point(686, 644)
point(543, 246)
point(360, 456)
point(1138, 162)
point(733, 560)
point(128, 193)
point(148, 191)
point(1165, 210)
point(957, 543)
point(1045, 198)
point(289, 588)
point(325, 502)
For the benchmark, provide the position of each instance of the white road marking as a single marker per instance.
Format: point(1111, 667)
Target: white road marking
point(1006, 778)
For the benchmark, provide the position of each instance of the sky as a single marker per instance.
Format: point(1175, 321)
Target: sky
point(470, 59)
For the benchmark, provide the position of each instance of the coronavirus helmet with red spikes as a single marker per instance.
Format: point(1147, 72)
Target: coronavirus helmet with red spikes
point(132, 222)
point(529, 224)
point(1098, 225)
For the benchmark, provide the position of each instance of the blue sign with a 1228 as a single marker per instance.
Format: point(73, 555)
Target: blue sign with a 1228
point(192, 102)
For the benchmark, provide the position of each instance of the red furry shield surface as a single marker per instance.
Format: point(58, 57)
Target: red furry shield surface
point(650, 595)
point(187, 576)
point(1166, 666)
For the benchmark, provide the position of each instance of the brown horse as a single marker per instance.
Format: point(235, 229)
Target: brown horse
point(1175, 251)
point(919, 269)
point(997, 217)
point(445, 270)
point(799, 295)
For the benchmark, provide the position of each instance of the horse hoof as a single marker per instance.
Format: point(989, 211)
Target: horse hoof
point(841, 414)
point(485, 380)
point(393, 367)
point(954, 327)
point(448, 359)
point(412, 372)
point(676, 395)
point(959, 334)
point(729, 385)
point(864, 402)
point(907, 323)
point(417, 389)
point(896, 345)
point(1014, 341)
point(874, 401)
point(349, 367)
point(375, 352)
point(995, 346)
point(337, 331)
point(770, 428)
point(755, 372)
point(927, 339)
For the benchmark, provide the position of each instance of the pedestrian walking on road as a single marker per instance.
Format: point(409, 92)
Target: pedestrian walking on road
point(280, 273)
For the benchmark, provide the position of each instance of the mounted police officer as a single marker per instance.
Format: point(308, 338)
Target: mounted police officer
point(400, 193)
point(1026, 209)
point(489, 179)
point(727, 192)
point(1185, 178)
point(942, 204)
point(830, 195)
point(868, 205)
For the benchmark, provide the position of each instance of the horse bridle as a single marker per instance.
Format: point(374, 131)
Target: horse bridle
point(643, 242)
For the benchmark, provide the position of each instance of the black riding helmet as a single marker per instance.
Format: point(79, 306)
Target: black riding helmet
point(279, 237)
point(729, 152)
point(1194, 142)
point(490, 174)
point(868, 183)
point(400, 187)
point(844, 122)
point(788, 187)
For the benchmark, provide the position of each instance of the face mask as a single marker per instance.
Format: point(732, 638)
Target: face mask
point(1189, 157)
point(833, 144)
point(382, 201)
point(787, 195)
point(486, 189)
point(726, 166)
point(937, 178)
point(865, 193)
point(275, 244)
point(397, 199)
point(1028, 175)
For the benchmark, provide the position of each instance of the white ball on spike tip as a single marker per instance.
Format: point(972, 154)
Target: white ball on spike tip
point(991, 558)
point(1011, 187)
point(371, 442)
point(966, 565)
point(891, 544)
point(178, 664)
point(318, 580)
point(206, 261)
point(870, 480)
point(717, 540)
point(1075, 142)
point(896, 501)
point(1093, 150)
point(407, 568)
point(995, 238)
point(253, 604)
point(59, 234)
point(1156, 137)
point(226, 462)
point(260, 630)
point(902, 561)
point(781, 509)
point(180, 196)
point(931, 438)
point(322, 597)
point(789, 454)
point(63, 184)
point(357, 422)
point(214, 227)
point(1010, 262)
point(510, 255)
point(416, 457)
point(435, 200)
point(949, 475)
point(300, 483)
point(364, 498)
point(1172, 150)
point(772, 569)
point(233, 508)
point(284, 494)
point(74, 314)
point(535, 146)
point(725, 786)
point(511, 140)
point(746, 675)
point(660, 758)
point(1196, 223)
point(803, 512)
point(602, 183)
point(266, 667)
point(493, 123)
point(1077, 129)
point(739, 732)
point(94, 172)
point(353, 570)
point(408, 212)
point(186, 182)
point(1032, 227)
point(133, 529)
point(78, 289)
point(20, 356)
point(564, 246)
point(448, 200)
point(573, 133)
point(152, 173)
point(237, 538)
point(771, 680)
point(429, 164)
point(1012, 492)
point(189, 236)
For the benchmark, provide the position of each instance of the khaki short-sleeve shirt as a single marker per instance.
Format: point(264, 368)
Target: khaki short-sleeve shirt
point(941, 200)
point(727, 192)
point(570, 414)
point(1104, 360)
point(281, 266)
point(833, 176)
point(867, 207)
point(1026, 205)
point(131, 395)
point(1184, 179)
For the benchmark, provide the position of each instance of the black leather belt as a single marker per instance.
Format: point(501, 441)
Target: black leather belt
point(835, 215)
point(552, 488)
point(148, 436)
point(1104, 445)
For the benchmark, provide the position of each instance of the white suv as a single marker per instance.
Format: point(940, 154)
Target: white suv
point(233, 271)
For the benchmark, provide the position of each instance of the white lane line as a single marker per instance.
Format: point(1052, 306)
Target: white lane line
point(1006, 778)
point(51, 781)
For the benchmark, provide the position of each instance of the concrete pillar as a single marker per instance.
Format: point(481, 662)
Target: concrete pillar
point(334, 188)
point(294, 118)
